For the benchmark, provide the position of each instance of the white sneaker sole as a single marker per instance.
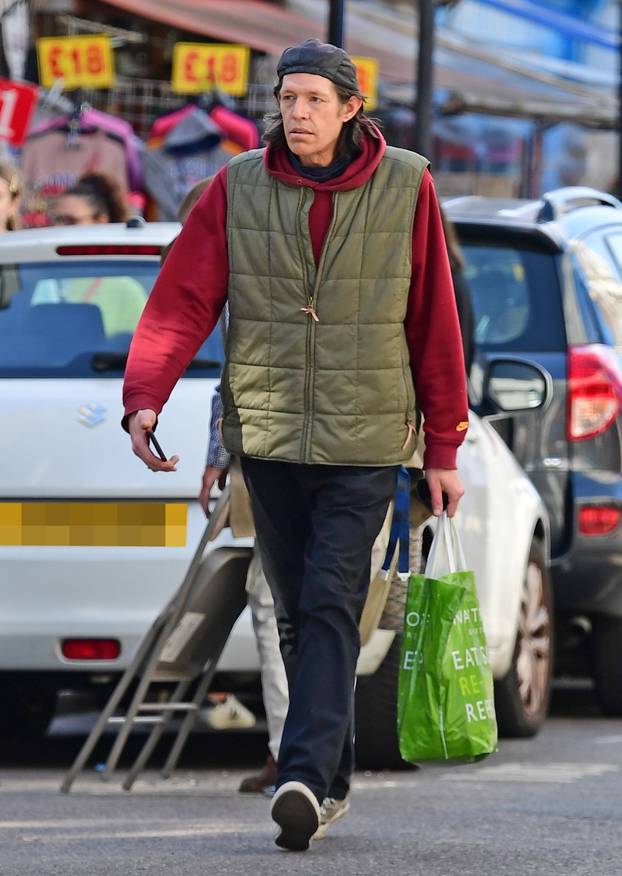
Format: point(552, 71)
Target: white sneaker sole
point(297, 812)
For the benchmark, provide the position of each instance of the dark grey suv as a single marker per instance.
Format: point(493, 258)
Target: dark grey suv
point(546, 283)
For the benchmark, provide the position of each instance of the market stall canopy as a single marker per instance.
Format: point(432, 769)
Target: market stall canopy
point(261, 25)
point(472, 78)
point(561, 22)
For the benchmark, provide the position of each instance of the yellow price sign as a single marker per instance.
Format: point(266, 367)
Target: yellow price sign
point(202, 66)
point(367, 73)
point(80, 61)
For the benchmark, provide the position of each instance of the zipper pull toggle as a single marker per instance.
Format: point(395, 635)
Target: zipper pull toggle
point(310, 310)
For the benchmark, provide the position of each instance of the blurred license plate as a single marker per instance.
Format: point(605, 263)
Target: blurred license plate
point(95, 524)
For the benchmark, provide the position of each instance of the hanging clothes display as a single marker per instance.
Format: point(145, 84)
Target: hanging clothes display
point(191, 150)
point(60, 150)
point(239, 129)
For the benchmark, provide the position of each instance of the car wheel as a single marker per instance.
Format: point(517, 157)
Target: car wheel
point(376, 742)
point(25, 715)
point(607, 656)
point(522, 696)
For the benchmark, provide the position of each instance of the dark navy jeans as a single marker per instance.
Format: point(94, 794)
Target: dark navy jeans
point(316, 525)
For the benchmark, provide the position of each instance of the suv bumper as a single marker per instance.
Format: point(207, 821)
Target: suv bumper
point(587, 579)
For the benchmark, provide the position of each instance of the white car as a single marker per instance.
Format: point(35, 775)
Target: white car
point(92, 544)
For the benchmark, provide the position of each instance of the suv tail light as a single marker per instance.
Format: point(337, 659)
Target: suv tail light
point(594, 391)
point(598, 519)
point(90, 649)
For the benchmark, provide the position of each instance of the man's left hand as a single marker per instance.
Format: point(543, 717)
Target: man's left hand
point(442, 480)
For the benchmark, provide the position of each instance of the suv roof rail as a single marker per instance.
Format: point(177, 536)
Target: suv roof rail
point(561, 201)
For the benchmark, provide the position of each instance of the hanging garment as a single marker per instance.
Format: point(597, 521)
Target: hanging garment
point(50, 166)
point(93, 119)
point(165, 124)
point(191, 151)
point(235, 127)
point(240, 129)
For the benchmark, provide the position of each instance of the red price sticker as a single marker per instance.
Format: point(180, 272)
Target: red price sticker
point(203, 66)
point(17, 102)
point(80, 61)
point(367, 74)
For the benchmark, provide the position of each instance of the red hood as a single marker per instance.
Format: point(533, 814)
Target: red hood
point(356, 174)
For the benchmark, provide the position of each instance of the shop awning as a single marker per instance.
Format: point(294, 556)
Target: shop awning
point(475, 80)
point(560, 22)
point(263, 26)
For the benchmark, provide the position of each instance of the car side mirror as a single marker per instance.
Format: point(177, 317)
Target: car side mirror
point(515, 386)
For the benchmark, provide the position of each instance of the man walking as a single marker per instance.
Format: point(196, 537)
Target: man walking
point(329, 248)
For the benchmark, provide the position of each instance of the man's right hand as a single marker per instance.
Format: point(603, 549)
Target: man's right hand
point(139, 424)
point(210, 476)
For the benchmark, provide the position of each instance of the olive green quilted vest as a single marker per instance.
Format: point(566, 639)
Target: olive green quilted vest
point(317, 367)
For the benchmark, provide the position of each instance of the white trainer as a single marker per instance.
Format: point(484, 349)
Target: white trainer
point(331, 811)
point(230, 714)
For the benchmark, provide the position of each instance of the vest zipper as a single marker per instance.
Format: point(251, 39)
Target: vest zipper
point(311, 310)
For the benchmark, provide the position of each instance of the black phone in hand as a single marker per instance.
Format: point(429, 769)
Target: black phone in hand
point(156, 446)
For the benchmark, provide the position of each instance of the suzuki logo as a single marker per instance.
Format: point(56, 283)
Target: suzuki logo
point(92, 415)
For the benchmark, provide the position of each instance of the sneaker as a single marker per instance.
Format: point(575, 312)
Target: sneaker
point(230, 714)
point(331, 811)
point(258, 783)
point(297, 813)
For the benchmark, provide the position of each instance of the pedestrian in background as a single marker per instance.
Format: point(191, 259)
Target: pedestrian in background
point(461, 291)
point(94, 198)
point(10, 191)
point(273, 678)
point(329, 248)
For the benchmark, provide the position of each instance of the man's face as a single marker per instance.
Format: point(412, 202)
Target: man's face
point(313, 116)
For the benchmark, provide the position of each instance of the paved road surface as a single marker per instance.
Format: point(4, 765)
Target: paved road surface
point(547, 806)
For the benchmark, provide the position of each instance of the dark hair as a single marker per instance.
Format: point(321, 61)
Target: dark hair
point(191, 197)
point(104, 193)
point(351, 133)
point(10, 174)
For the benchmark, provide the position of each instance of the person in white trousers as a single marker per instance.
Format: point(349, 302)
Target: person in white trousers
point(273, 679)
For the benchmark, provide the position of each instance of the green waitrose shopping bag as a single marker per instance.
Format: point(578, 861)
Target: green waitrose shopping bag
point(445, 701)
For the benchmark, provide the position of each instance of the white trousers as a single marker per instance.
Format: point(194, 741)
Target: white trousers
point(273, 679)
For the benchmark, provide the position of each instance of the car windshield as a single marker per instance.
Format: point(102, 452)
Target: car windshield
point(77, 319)
point(516, 298)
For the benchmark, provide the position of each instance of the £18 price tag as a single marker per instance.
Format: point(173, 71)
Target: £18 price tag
point(367, 74)
point(17, 102)
point(80, 61)
point(203, 66)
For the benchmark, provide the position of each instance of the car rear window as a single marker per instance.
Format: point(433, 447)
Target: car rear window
point(600, 261)
point(516, 298)
point(76, 319)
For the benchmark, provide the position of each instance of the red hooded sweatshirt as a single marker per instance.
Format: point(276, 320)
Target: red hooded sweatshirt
point(191, 291)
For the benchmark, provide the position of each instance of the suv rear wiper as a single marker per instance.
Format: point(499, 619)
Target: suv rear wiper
point(106, 361)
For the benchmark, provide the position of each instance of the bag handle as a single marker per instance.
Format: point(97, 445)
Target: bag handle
point(446, 552)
